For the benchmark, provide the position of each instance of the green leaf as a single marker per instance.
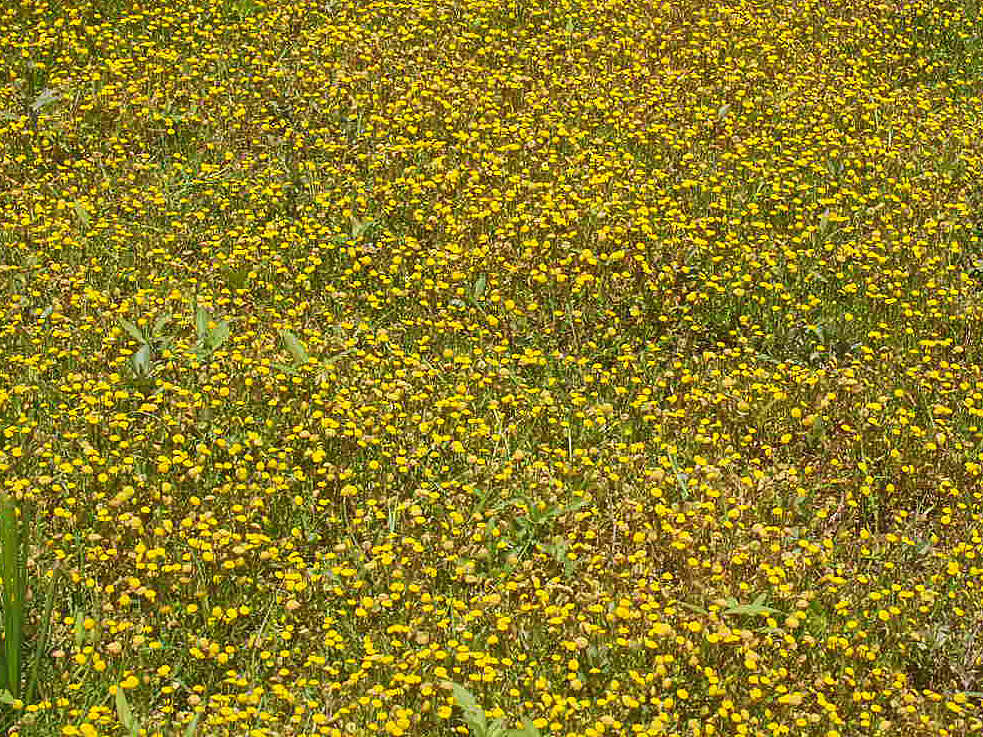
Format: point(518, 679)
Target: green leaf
point(680, 477)
point(192, 727)
point(337, 357)
point(78, 632)
point(82, 214)
point(693, 607)
point(474, 715)
point(13, 574)
point(45, 97)
point(295, 348)
point(124, 713)
point(463, 697)
point(525, 729)
point(141, 360)
point(41, 643)
point(284, 368)
point(478, 290)
point(135, 332)
point(201, 323)
point(754, 609)
point(6, 697)
point(161, 323)
point(360, 226)
point(219, 335)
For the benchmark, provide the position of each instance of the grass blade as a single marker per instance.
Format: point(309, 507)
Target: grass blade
point(11, 565)
point(42, 643)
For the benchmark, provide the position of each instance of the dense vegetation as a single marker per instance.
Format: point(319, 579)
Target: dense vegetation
point(616, 361)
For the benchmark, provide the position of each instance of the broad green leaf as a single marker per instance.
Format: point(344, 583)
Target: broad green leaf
point(474, 715)
point(141, 360)
point(135, 332)
point(463, 697)
point(295, 348)
point(45, 97)
point(525, 729)
point(360, 226)
point(219, 335)
point(6, 697)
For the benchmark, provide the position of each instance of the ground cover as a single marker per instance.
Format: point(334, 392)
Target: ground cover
point(427, 368)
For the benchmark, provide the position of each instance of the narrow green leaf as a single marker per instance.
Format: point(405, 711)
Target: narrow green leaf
point(693, 607)
point(11, 569)
point(680, 477)
point(754, 609)
point(42, 642)
point(336, 357)
point(123, 711)
point(78, 632)
point(284, 368)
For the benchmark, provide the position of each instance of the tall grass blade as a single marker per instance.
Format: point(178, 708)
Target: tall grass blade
point(11, 569)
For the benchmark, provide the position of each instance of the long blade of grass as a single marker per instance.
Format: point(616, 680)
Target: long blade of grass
point(11, 565)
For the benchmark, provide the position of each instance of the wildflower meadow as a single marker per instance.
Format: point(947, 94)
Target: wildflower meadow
point(503, 369)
